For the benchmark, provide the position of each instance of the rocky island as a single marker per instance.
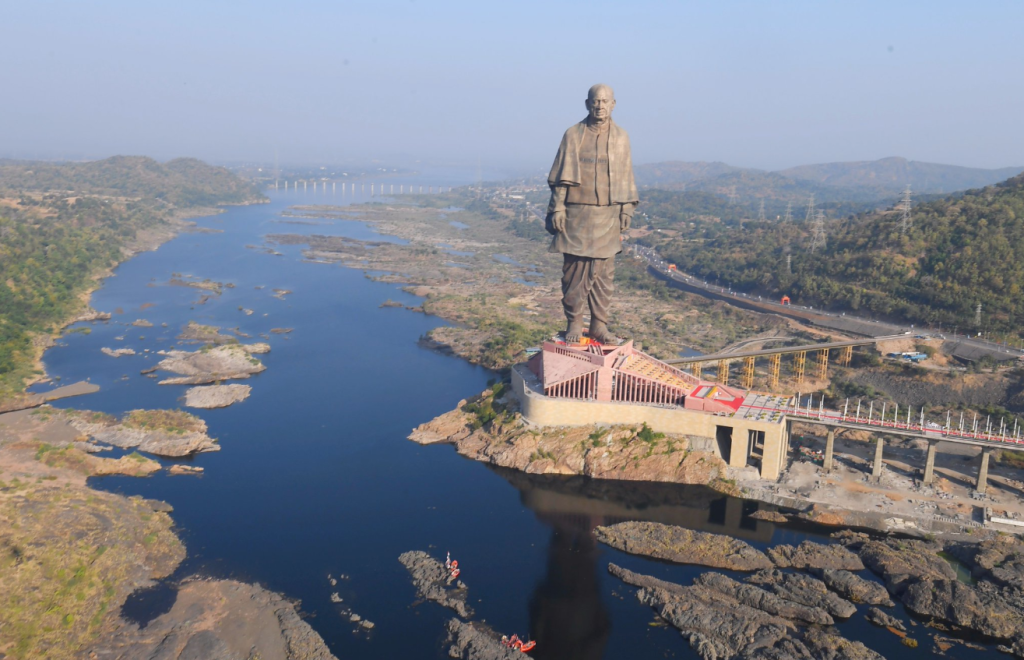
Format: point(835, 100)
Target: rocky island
point(489, 428)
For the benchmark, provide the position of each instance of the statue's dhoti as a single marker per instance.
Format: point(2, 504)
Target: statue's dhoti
point(588, 245)
point(587, 282)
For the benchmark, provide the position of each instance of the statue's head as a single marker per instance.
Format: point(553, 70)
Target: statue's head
point(600, 103)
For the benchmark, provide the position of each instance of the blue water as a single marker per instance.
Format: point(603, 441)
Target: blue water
point(316, 476)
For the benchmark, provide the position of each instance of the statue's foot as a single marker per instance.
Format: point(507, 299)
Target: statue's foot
point(599, 332)
point(574, 333)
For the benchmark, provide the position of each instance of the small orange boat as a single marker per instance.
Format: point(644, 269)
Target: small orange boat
point(519, 645)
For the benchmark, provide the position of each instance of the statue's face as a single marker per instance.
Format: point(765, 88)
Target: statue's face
point(600, 104)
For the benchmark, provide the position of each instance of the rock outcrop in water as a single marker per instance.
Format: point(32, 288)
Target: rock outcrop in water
point(764, 600)
point(980, 610)
point(901, 562)
point(884, 619)
point(488, 428)
point(431, 580)
point(222, 620)
point(723, 622)
point(769, 516)
point(682, 545)
point(1000, 559)
point(117, 352)
point(805, 590)
point(171, 433)
point(810, 555)
point(205, 334)
point(474, 641)
point(928, 586)
point(226, 362)
point(216, 396)
point(854, 588)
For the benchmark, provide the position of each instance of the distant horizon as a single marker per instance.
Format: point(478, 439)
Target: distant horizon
point(760, 85)
point(519, 169)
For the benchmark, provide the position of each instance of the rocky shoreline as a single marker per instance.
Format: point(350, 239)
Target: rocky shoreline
point(780, 614)
point(467, 639)
point(55, 528)
point(489, 428)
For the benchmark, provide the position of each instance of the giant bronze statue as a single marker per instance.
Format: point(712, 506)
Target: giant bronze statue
point(593, 196)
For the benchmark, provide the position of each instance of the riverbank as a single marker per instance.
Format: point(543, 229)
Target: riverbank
point(70, 556)
point(490, 429)
point(498, 291)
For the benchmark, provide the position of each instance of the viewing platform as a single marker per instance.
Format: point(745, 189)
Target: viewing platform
point(581, 384)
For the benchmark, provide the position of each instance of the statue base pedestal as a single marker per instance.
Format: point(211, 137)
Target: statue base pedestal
point(587, 341)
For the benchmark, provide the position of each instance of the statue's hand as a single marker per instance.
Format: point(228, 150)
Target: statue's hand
point(624, 221)
point(558, 221)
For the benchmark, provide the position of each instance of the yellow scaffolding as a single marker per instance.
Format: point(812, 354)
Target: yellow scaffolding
point(846, 357)
point(799, 359)
point(823, 364)
point(748, 373)
point(774, 364)
point(696, 369)
point(723, 372)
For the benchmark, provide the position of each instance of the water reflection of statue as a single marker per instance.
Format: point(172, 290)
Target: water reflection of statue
point(567, 614)
point(593, 195)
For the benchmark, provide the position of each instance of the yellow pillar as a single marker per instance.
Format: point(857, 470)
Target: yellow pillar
point(799, 360)
point(723, 372)
point(774, 363)
point(748, 373)
point(823, 364)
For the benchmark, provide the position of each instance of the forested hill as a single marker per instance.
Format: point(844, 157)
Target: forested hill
point(63, 225)
point(866, 184)
point(893, 174)
point(959, 251)
point(183, 182)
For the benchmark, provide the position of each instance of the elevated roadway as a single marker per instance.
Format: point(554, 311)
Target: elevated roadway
point(782, 350)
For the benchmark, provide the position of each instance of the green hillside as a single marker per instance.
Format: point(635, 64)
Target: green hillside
point(891, 175)
point(182, 182)
point(960, 251)
point(667, 208)
point(61, 225)
point(855, 186)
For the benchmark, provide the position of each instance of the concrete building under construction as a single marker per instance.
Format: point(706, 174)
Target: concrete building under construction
point(573, 385)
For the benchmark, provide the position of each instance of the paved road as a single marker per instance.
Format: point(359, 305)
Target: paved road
point(970, 348)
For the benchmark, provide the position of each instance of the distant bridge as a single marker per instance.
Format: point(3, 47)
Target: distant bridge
point(774, 355)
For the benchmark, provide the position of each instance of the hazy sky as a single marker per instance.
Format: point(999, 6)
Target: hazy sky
point(761, 84)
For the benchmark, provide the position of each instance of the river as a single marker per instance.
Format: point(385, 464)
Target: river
point(316, 477)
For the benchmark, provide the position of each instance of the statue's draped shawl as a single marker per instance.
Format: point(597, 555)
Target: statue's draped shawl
point(566, 169)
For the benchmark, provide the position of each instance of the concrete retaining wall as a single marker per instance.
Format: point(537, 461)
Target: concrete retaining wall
point(551, 411)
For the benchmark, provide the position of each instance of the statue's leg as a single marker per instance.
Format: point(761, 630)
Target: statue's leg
point(600, 298)
point(576, 278)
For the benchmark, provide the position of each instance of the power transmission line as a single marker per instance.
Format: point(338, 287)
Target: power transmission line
point(818, 237)
point(789, 212)
point(905, 220)
point(810, 209)
point(760, 213)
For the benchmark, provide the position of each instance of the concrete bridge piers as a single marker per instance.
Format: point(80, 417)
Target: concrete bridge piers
point(830, 443)
point(877, 463)
point(929, 465)
point(983, 472)
point(876, 466)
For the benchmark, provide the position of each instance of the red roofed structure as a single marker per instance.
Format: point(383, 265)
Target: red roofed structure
point(623, 373)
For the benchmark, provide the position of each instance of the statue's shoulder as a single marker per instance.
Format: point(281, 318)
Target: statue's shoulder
point(575, 130)
point(619, 131)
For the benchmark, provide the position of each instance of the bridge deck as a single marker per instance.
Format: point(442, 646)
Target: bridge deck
point(783, 349)
point(926, 431)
